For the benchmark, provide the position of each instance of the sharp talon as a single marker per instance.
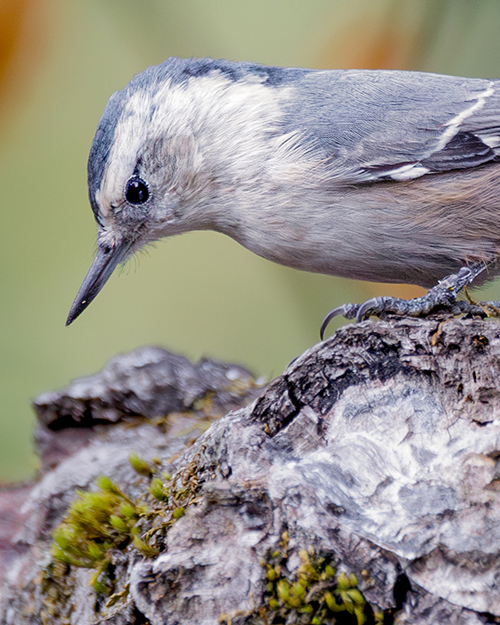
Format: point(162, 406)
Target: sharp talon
point(347, 310)
point(340, 310)
point(365, 307)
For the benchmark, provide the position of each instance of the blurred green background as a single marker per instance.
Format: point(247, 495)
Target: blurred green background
point(199, 294)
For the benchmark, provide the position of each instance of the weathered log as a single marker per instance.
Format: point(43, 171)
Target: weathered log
point(375, 455)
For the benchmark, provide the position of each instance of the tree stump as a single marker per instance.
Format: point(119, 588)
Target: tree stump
point(361, 486)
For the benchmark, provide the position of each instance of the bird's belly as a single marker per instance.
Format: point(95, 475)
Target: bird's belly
point(413, 232)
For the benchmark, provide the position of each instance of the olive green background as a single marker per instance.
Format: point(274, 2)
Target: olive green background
point(199, 294)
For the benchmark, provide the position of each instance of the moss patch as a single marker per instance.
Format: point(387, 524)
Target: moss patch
point(312, 594)
point(102, 524)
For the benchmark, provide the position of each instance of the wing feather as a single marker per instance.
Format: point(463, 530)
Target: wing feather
point(382, 125)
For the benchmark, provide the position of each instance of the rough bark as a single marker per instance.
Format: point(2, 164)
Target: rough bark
point(377, 451)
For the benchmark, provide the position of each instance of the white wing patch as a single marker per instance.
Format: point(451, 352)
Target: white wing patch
point(407, 172)
point(453, 126)
point(492, 141)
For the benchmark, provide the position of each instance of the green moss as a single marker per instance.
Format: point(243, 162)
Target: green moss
point(178, 512)
point(141, 467)
point(96, 523)
point(312, 594)
point(103, 523)
point(158, 489)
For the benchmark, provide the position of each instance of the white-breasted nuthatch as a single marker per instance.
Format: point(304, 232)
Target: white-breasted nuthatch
point(387, 176)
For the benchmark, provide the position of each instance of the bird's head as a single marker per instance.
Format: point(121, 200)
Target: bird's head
point(187, 145)
point(147, 175)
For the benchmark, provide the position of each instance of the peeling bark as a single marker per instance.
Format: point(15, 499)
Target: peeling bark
point(377, 450)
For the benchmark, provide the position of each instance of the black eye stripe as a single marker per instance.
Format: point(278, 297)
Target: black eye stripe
point(137, 191)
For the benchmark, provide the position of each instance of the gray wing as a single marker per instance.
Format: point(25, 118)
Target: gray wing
point(382, 125)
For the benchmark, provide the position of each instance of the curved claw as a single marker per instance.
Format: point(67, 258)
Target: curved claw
point(374, 303)
point(324, 324)
point(347, 310)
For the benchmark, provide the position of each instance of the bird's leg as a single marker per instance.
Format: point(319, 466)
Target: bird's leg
point(443, 296)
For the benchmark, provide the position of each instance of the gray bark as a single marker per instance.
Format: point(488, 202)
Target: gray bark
point(378, 448)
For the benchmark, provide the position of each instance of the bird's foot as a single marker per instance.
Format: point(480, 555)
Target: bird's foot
point(441, 298)
point(490, 309)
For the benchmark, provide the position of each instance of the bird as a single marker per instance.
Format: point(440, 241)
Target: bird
point(380, 175)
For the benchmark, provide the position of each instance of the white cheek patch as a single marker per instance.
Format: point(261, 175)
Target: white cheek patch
point(127, 141)
point(233, 123)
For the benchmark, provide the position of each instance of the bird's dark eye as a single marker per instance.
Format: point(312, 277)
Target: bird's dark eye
point(137, 191)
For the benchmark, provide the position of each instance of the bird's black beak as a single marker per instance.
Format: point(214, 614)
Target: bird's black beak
point(105, 262)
